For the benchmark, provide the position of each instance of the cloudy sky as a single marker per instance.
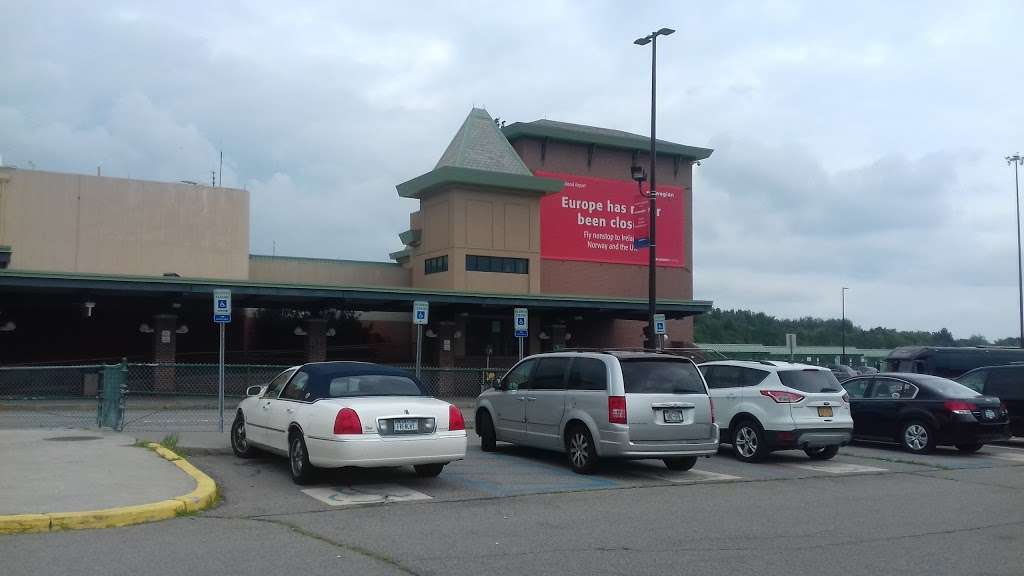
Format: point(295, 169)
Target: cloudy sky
point(856, 144)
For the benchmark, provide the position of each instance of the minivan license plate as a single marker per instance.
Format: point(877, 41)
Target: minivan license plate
point(673, 416)
point(406, 426)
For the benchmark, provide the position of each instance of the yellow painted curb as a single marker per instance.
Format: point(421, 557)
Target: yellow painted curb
point(204, 495)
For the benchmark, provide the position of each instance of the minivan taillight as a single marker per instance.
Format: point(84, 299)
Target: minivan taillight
point(959, 406)
point(782, 397)
point(347, 422)
point(616, 409)
point(712, 403)
point(455, 420)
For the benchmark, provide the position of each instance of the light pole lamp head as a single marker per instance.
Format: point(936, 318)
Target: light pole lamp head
point(642, 41)
point(665, 32)
point(1015, 158)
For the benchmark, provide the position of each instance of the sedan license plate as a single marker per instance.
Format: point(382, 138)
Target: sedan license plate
point(990, 414)
point(825, 411)
point(673, 416)
point(406, 425)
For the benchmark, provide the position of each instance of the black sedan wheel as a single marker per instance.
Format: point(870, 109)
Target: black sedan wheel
point(917, 437)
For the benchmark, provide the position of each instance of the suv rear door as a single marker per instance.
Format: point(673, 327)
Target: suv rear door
point(822, 406)
point(665, 399)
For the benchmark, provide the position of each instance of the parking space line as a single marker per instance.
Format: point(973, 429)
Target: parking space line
point(364, 494)
point(838, 468)
point(1007, 456)
point(688, 477)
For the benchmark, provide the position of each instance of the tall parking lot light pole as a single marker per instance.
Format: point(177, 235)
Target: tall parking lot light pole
point(842, 359)
point(652, 297)
point(1017, 161)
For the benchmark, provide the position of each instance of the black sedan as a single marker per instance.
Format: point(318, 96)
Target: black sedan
point(921, 412)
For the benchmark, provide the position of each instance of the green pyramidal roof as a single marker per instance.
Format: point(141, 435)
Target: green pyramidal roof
point(479, 144)
point(479, 155)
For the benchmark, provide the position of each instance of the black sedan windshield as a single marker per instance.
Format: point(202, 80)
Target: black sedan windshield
point(947, 388)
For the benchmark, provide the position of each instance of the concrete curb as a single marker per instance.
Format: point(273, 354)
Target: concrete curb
point(204, 495)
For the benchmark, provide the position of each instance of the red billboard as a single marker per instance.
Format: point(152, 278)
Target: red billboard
point(597, 220)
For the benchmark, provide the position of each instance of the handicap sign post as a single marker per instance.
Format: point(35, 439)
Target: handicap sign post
point(420, 317)
point(521, 322)
point(659, 328)
point(222, 316)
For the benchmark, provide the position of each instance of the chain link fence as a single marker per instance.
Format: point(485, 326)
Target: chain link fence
point(168, 397)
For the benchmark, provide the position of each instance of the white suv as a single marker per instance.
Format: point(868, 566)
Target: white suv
point(764, 406)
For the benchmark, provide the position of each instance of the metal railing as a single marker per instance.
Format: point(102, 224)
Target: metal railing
point(165, 397)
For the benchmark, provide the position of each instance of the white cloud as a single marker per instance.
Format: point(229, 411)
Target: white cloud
point(857, 144)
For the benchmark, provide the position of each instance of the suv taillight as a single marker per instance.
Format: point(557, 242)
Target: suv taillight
point(846, 397)
point(959, 406)
point(616, 409)
point(347, 422)
point(455, 419)
point(782, 397)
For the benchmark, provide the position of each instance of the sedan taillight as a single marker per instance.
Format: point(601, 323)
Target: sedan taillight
point(782, 397)
point(455, 419)
point(959, 406)
point(347, 422)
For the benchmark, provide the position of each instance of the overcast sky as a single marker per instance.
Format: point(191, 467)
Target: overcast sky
point(856, 144)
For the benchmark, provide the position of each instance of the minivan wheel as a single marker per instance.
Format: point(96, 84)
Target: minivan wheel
point(822, 452)
point(485, 429)
point(969, 448)
point(428, 470)
point(579, 445)
point(680, 464)
point(298, 460)
point(748, 442)
point(917, 437)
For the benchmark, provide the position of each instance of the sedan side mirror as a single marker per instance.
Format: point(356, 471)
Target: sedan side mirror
point(254, 390)
point(499, 384)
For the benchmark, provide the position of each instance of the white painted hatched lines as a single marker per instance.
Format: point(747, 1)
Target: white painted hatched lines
point(1007, 456)
point(690, 476)
point(838, 468)
point(364, 494)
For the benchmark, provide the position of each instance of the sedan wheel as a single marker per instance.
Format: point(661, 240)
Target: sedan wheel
point(582, 454)
point(298, 459)
point(239, 441)
point(748, 442)
point(917, 437)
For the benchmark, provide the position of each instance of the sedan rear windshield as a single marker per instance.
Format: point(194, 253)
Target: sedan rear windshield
point(810, 381)
point(661, 377)
point(372, 385)
point(946, 387)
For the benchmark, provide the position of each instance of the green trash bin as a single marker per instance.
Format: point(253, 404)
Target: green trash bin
point(110, 413)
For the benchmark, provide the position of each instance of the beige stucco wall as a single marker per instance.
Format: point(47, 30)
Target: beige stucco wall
point(461, 221)
point(288, 270)
point(90, 224)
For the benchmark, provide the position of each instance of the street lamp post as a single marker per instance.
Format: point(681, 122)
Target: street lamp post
point(842, 359)
point(652, 297)
point(1017, 160)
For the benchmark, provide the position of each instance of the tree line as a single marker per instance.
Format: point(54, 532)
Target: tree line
point(748, 327)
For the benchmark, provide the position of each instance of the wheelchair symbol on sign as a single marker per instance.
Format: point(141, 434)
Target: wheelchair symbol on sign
point(222, 303)
point(420, 315)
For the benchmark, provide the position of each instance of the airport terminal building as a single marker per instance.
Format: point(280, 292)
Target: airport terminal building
point(534, 215)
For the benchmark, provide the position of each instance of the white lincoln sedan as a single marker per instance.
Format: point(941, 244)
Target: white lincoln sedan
point(336, 414)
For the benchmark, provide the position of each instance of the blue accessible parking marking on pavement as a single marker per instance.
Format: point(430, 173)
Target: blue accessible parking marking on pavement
point(515, 476)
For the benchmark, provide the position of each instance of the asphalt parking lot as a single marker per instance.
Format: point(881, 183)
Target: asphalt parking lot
point(872, 510)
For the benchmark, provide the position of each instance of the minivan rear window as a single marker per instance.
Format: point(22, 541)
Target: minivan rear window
point(810, 381)
point(655, 376)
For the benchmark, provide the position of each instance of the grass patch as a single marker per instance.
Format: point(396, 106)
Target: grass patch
point(170, 442)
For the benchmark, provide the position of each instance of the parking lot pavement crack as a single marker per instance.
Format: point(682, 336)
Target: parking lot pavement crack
point(390, 562)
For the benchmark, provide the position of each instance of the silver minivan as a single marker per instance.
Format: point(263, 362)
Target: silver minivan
point(592, 405)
